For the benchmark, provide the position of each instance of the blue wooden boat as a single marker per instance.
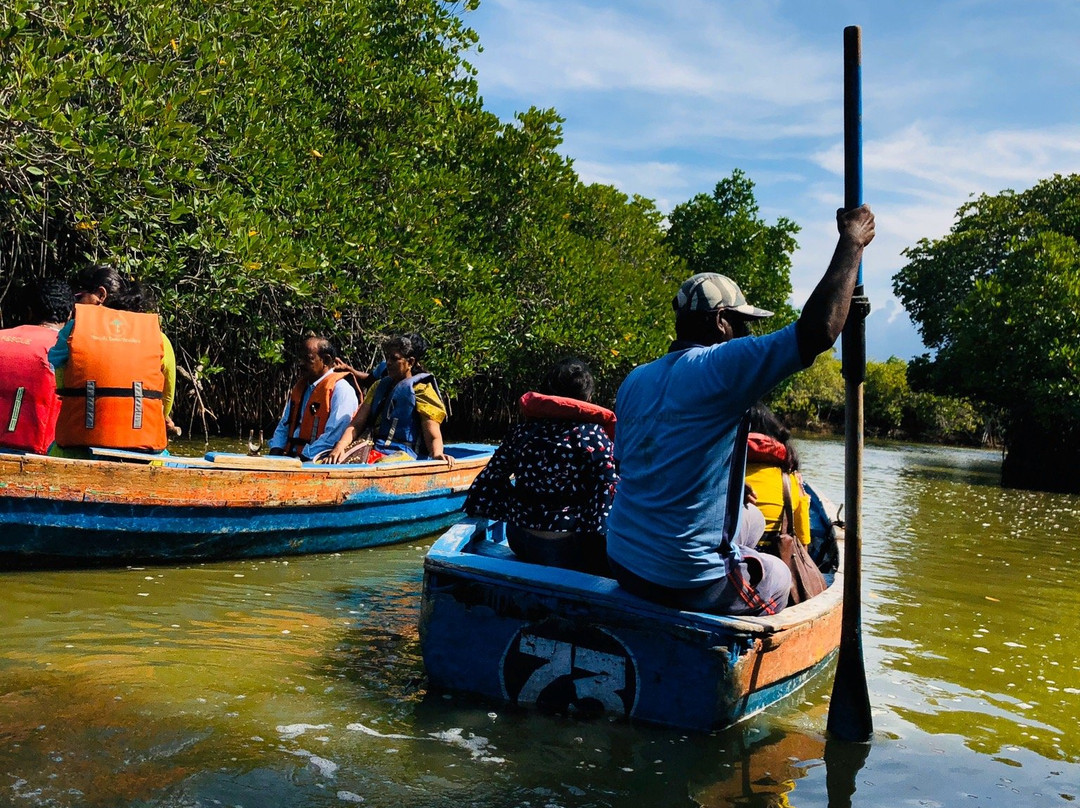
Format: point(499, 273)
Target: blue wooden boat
point(129, 508)
point(570, 642)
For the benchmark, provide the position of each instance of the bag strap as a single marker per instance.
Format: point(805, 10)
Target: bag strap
point(787, 515)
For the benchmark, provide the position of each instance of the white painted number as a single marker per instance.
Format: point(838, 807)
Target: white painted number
point(607, 675)
point(606, 672)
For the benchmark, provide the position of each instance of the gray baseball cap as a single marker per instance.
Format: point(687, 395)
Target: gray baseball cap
point(708, 291)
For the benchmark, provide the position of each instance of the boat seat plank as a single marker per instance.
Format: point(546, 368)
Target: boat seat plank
point(148, 457)
point(261, 462)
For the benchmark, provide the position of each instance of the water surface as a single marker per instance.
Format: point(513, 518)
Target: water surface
point(299, 682)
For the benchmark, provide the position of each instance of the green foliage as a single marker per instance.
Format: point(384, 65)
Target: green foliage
point(940, 274)
point(274, 166)
point(886, 395)
point(724, 233)
point(813, 398)
point(270, 167)
point(999, 297)
point(942, 419)
point(262, 165)
point(1021, 346)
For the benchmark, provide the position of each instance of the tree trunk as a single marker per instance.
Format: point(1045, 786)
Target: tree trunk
point(1041, 459)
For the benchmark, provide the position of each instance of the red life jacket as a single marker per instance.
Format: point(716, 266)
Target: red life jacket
point(765, 450)
point(537, 405)
point(312, 420)
point(29, 404)
point(113, 382)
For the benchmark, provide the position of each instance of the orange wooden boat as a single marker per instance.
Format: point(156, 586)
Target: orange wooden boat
point(135, 508)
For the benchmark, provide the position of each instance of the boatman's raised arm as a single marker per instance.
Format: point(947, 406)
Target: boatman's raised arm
point(826, 310)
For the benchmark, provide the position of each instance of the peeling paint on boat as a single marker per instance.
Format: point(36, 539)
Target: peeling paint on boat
point(63, 511)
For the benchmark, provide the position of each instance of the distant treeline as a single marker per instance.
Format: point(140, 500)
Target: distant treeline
point(814, 400)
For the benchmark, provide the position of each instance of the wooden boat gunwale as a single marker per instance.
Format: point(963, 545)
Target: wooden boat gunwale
point(76, 512)
point(169, 480)
point(465, 536)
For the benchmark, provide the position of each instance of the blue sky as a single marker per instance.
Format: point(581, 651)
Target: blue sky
point(663, 99)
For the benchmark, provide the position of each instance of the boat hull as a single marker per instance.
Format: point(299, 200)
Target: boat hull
point(569, 642)
point(59, 512)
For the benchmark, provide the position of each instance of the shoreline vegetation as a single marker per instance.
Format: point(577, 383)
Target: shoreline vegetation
point(270, 168)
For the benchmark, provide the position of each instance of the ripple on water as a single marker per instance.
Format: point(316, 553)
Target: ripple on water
point(300, 683)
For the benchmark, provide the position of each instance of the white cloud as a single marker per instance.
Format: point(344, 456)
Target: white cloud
point(954, 162)
point(692, 49)
point(663, 100)
point(667, 184)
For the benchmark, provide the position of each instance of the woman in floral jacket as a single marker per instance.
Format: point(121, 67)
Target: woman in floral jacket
point(553, 479)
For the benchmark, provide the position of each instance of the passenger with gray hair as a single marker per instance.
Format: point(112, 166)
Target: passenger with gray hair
point(319, 407)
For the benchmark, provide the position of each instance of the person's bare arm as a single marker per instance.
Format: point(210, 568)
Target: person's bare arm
point(826, 310)
point(433, 440)
point(363, 378)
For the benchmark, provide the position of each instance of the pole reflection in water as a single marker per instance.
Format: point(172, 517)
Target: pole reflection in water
point(300, 683)
point(843, 762)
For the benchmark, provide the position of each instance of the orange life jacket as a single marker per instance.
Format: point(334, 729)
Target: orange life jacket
point(113, 382)
point(29, 404)
point(538, 405)
point(313, 419)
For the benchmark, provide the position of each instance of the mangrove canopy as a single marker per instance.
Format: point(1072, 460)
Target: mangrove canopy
point(998, 298)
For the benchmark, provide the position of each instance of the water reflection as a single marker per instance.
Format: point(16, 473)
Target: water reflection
point(300, 683)
point(980, 586)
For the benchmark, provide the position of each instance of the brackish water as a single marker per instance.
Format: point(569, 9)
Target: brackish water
point(300, 683)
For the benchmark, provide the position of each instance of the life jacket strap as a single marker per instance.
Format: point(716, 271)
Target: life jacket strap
point(91, 392)
point(109, 392)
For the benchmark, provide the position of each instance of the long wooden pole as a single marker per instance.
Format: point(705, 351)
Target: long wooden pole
point(849, 710)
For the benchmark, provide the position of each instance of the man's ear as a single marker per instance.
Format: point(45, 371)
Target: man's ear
point(724, 329)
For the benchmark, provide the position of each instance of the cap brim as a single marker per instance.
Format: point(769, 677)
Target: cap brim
point(750, 311)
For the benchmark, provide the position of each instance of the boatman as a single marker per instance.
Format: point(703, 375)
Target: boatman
point(29, 404)
point(679, 533)
point(320, 405)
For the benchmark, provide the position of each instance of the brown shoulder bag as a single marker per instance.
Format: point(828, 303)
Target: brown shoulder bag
point(806, 578)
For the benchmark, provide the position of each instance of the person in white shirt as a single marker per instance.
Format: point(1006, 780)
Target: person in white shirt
point(320, 405)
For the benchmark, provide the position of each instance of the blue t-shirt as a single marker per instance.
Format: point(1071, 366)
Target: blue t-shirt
point(676, 450)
